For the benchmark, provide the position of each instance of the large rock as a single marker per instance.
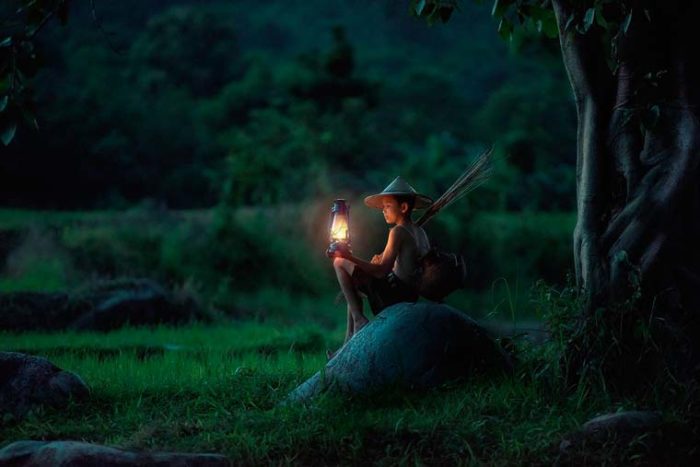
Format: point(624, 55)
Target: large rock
point(102, 307)
point(135, 302)
point(27, 381)
point(631, 421)
point(409, 345)
point(619, 438)
point(77, 454)
point(620, 427)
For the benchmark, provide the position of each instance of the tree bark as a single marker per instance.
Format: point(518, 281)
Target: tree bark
point(638, 227)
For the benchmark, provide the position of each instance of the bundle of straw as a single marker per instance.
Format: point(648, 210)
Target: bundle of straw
point(477, 173)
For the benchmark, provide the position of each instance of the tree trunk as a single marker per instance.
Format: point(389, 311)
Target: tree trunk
point(637, 236)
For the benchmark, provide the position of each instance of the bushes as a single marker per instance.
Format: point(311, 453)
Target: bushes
point(220, 254)
point(526, 246)
point(505, 253)
point(225, 253)
point(238, 253)
point(37, 263)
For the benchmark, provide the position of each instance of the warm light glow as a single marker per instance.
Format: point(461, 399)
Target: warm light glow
point(339, 229)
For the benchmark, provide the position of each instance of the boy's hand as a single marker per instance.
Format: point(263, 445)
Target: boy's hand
point(376, 259)
point(337, 254)
point(338, 251)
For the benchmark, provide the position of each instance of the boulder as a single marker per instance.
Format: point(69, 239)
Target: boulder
point(636, 421)
point(134, 302)
point(614, 430)
point(409, 345)
point(27, 381)
point(103, 306)
point(633, 437)
point(78, 454)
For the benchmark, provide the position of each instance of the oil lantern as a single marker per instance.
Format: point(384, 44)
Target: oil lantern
point(339, 228)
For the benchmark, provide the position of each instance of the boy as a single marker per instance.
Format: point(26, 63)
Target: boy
point(392, 276)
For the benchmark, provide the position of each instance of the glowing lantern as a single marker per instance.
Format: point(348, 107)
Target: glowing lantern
point(339, 229)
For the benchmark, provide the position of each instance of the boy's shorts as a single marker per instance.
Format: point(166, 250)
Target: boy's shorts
point(383, 292)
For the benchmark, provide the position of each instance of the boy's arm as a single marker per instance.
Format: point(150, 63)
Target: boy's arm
point(386, 264)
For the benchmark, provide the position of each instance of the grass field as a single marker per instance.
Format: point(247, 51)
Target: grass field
point(217, 389)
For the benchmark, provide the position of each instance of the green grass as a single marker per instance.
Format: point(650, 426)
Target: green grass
point(217, 389)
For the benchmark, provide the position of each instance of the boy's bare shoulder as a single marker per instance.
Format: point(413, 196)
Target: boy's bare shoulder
point(398, 232)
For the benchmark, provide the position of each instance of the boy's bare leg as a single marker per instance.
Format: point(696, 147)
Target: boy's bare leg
point(350, 329)
point(356, 319)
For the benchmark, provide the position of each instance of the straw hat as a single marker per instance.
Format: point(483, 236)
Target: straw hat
point(398, 187)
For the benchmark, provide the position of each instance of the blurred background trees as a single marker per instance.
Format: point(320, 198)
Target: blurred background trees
point(182, 102)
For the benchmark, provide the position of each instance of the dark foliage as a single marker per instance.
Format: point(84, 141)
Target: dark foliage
point(169, 99)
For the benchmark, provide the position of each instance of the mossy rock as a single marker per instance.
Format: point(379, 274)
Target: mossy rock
point(27, 381)
point(79, 454)
point(409, 345)
point(101, 306)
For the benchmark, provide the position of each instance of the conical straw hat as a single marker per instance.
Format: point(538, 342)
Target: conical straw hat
point(398, 187)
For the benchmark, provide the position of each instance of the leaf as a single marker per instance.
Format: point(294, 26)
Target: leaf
point(8, 133)
point(588, 19)
point(428, 12)
point(505, 29)
point(500, 7)
point(569, 22)
point(626, 23)
point(600, 20)
point(536, 12)
point(549, 26)
point(446, 13)
point(6, 42)
point(434, 15)
point(3, 103)
point(420, 6)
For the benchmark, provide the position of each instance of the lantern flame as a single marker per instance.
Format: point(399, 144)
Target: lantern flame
point(339, 229)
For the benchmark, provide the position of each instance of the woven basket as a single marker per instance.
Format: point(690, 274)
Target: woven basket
point(442, 274)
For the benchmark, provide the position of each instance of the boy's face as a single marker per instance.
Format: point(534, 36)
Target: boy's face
point(392, 210)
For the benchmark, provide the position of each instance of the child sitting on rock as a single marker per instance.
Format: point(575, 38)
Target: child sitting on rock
point(392, 276)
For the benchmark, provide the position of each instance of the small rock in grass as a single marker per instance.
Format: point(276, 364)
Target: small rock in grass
point(27, 381)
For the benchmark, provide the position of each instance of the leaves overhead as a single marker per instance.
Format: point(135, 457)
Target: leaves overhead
point(608, 19)
point(18, 60)
point(8, 133)
point(433, 11)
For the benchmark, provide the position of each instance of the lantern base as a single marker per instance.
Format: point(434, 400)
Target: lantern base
point(338, 247)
